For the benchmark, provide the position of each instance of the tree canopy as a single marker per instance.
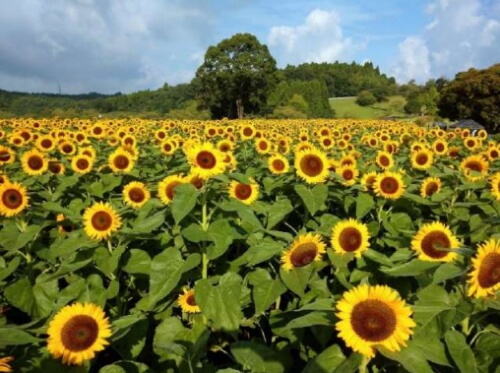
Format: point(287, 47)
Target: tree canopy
point(236, 76)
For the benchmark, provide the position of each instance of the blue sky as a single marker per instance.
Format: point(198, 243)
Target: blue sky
point(128, 45)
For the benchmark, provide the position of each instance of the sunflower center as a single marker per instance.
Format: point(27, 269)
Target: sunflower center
point(4, 156)
point(384, 161)
point(136, 195)
point(373, 320)
point(431, 188)
point(433, 243)
point(82, 164)
point(278, 165)
point(489, 271)
point(389, 185)
point(348, 174)
point(55, 167)
point(350, 239)
point(46, 143)
point(422, 159)
point(170, 191)
point(190, 300)
point(247, 131)
point(263, 145)
point(474, 166)
point(206, 160)
point(97, 130)
point(12, 199)
point(121, 162)
point(311, 165)
point(167, 147)
point(224, 148)
point(35, 162)
point(102, 221)
point(243, 191)
point(197, 182)
point(67, 148)
point(439, 147)
point(494, 154)
point(79, 333)
point(327, 142)
point(304, 254)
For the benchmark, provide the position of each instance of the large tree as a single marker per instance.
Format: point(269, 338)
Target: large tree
point(236, 76)
point(474, 94)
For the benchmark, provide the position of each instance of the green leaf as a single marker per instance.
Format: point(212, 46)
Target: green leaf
point(149, 224)
point(432, 301)
point(351, 364)
point(125, 366)
point(256, 357)
point(74, 241)
point(166, 271)
point(296, 279)
point(410, 269)
point(265, 289)
point(277, 212)
point(262, 252)
point(318, 305)
point(221, 233)
point(12, 266)
point(364, 203)
point(312, 318)
point(460, 352)
point(432, 348)
point(411, 359)
point(167, 335)
point(37, 301)
point(446, 272)
point(184, 201)
point(13, 337)
point(137, 262)
point(12, 239)
point(220, 303)
point(326, 362)
point(313, 198)
point(195, 233)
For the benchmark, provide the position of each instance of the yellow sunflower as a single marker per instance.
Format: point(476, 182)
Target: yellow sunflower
point(187, 301)
point(312, 166)
point(56, 167)
point(422, 159)
point(135, 194)
point(306, 249)
point(245, 193)
point(13, 199)
point(4, 364)
point(389, 185)
point(3, 178)
point(34, 163)
point(166, 187)
point(195, 180)
point(45, 143)
point(430, 186)
point(368, 179)
point(263, 146)
point(348, 173)
point(100, 221)
point(206, 160)
point(495, 185)
point(77, 332)
point(371, 316)
point(7, 155)
point(67, 147)
point(82, 164)
point(350, 236)
point(278, 164)
point(474, 167)
point(120, 161)
point(440, 147)
point(434, 242)
point(484, 278)
point(385, 160)
point(168, 147)
point(63, 227)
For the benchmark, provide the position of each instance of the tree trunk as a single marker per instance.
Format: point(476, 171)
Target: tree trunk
point(239, 108)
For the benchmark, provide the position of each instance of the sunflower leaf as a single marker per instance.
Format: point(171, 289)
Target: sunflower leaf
point(314, 198)
point(184, 201)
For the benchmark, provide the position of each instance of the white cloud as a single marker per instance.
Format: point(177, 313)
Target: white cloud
point(318, 39)
point(462, 34)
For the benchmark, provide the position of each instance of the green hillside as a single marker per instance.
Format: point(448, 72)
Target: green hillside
point(346, 107)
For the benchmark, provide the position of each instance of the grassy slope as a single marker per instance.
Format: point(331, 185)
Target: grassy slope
point(346, 107)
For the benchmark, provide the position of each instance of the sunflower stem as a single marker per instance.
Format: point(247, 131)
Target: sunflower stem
point(204, 226)
point(465, 326)
point(363, 367)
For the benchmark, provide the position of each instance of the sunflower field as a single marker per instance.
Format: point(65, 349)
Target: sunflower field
point(132, 246)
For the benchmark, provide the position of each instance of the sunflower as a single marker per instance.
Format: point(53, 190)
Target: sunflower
point(82, 164)
point(168, 147)
point(206, 160)
point(389, 185)
point(4, 364)
point(120, 161)
point(440, 147)
point(348, 173)
point(385, 160)
point(493, 153)
point(7, 155)
point(56, 167)
point(135, 194)
point(34, 163)
point(62, 227)
point(3, 178)
point(100, 221)
point(484, 278)
point(304, 250)
point(263, 146)
point(312, 166)
point(187, 301)
point(326, 142)
point(247, 132)
point(434, 242)
point(373, 315)
point(278, 164)
point(13, 199)
point(474, 167)
point(350, 236)
point(166, 187)
point(368, 179)
point(495, 185)
point(422, 159)
point(245, 193)
point(67, 148)
point(225, 146)
point(430, 186)
point(195, 180)
point(77, 332)
point(45, 143)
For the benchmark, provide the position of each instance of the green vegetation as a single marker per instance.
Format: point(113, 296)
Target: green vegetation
point(346, 107)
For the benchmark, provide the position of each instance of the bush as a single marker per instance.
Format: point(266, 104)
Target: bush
point(366, 98)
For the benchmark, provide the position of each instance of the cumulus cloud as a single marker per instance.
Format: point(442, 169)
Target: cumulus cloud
point(461, 34)
point(100, 45)
point(318, 39)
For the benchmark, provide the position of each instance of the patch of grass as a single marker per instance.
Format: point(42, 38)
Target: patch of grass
point(346, 107)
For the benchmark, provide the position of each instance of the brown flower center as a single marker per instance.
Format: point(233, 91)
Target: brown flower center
point(474, 166)
point(247, 131)
point(350, 239)
point(55, 167)
point(439, 147)
point(347, 174)
point(4, 156)
point(278, 165)
point(121, 162)
point(170, 189)
point(67, 148)
point(206, 160)
point(82, 164)
point(101, 221)
point(243, 191)
point(433, 243)
point(137, 195)
point(12, 199)
point(35, 162)
point(422, 159)
point(389, 185)
point(311, 165)
point(384, 161)
point(489, 271)
point(46, 143)
point(431, 188)
point(263, 145)
point(373, 320)
point(304, 254)
point(79, 333)
point(190, 299)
